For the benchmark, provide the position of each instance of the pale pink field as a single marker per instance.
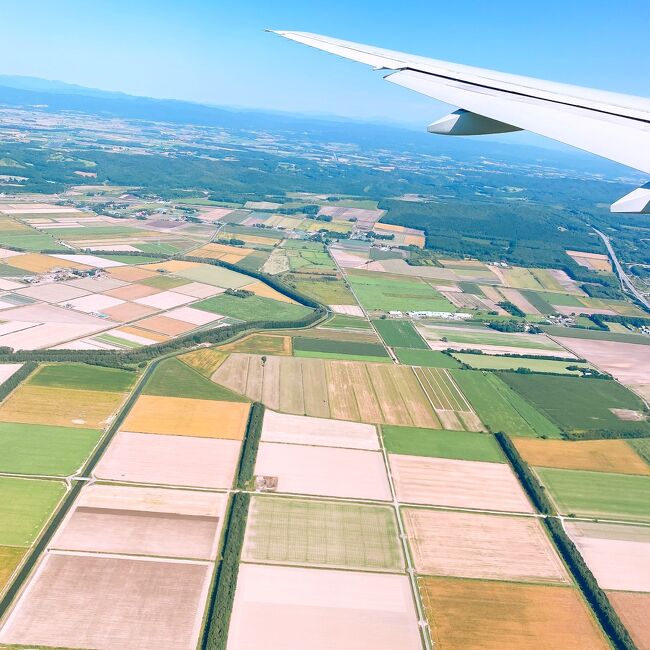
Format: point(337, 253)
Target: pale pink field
point(320, 609)
point(110, 602)
point(7, 370)
point(44, 313)
point(170, 460)
point(628, 362)
point(618, 555)
point(563, 309)
point(518, 299)
point(97, 284)
point(93, 303)
point(473, 545)
point(199, 290)
point(144, 521)
point(91, 260)
point(52, 292)
point(457, 483)
point(299, 429)
point(326, 471)
point(348, 310)
point(192, 316)
point(165, 300)
point(48, 334)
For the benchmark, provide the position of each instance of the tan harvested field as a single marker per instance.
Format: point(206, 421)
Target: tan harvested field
point(179, 416)
point(94, 303)
point(86, 601)
point(97, 284)
point(593, 261)
point(326, 471)
point(617, 554)
point(164, 325)
point(52, 292)
point(69, 407)
point(298, 429)
point(131, 273)
point(472, 545)
point(205, 360)
point(491, 615)
point(169, 460)
point(37, 263)
point(132, 291)
point(260, 344)
point(165, 300)
point(457, 483)
point(593, 455)
point(628, 362)
point(148, 334)
point(143, 521)
point(263, 289)
point(129, 311)
point(348, 310)
point(633, 611)
point(321, 609)
point(518, 299)
point(341, 390)
point(199, 290)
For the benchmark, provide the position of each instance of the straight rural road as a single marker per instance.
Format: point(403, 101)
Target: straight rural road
point(625, 280)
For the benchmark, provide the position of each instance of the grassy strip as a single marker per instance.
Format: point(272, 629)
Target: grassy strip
point(250, 445)
point(595, 596)
point(216, 629)
point(19, 376)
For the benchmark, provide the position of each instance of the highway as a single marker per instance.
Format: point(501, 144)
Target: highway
point(625, 280)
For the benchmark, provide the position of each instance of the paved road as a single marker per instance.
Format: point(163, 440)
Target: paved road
point(625, 280)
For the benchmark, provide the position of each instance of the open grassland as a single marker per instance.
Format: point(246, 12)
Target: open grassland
point(84, 377)
point(495, 615)
point(492, 362)
point(596, 335)
point(25, 506)
point(577, 404)
point(10, 557)
point(382, 292)
point(336, 349)
point(341, 321)
point(462, 445)
point(400, 334)
point(260, 344)
point(322, 533)
point(188, 417)
point(500, 408)
point(599, 494)
point(204, 360)
point(253, 308)
point(89, 409)
point(615, 456)
point(173, 378)
point(427, 358)
point(45, 450)
point(296, 608)
point(473, 545)
point(327, 291)
point(633, 611)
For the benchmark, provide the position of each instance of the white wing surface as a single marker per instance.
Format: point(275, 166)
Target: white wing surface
point(611, 125)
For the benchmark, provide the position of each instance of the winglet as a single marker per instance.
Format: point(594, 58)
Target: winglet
point(636, 202)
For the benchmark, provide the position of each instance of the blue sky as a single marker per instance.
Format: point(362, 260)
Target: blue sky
point(217, 52)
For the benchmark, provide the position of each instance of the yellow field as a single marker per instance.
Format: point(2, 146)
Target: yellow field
point(10, 557)
point(261, 344)
point(390, 227)
point(179, 416)
point(263, 290)
point(414, 240)
point(205, 360)
point(37, 263)
point(68, 407)
point(130, 273)
point(591, 455)
point(230, 254)
point(148, 334)
point(257, 239)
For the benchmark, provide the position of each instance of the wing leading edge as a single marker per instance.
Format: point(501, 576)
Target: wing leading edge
point(610, 125)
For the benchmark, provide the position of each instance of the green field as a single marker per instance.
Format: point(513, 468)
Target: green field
point(462, 445)
point(380, 293)
point(84, 377)
point(330, 349)
point(30, 242)
point(560, 299)
point(598, 494)
point(489, 362)
point(45, 450)
point(488, 336)
point(501, 408)
point(25, 506)
point(642, 446)
point(173, 378)
point(427, 358)
point(252, 308)
point(329, 292)
point(164, 281)
point(322, 533)
point(340, 321)
point(217, 276)
point(400, 334)
point(577, 404)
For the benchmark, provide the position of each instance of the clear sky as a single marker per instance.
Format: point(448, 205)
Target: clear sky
point(214, 51)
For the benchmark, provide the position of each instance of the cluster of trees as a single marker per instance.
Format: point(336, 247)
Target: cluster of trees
point(250, 445)
point(19, 376)
point(512, 309)
point(601, 320)
point(239, 293)
point(513, 325)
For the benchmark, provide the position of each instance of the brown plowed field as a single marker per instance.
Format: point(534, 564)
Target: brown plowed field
point(491, 615)
point(633, 610)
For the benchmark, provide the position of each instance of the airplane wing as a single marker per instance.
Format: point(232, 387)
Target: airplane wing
point(611, 125)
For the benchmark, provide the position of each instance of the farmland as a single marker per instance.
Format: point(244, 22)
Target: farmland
point(430, 358)
point(400, 334)
point(322, 533)
point(252, 308)
point(490, 362)
point(83, 377)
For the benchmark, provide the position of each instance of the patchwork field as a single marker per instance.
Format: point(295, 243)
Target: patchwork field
point(325, 471)
point(633, 611)
point(169, 460)
point(25, 506)
point(143, 521)
point(462, 445)
point(599, 494)
point(615, 456)
point(280, 427)
point(188, 417)
point(457, 483)
point(85, 601)
point(471, 545)
point(494, 615)
point(299, 608)
point(322, 533)
point(617, 555)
